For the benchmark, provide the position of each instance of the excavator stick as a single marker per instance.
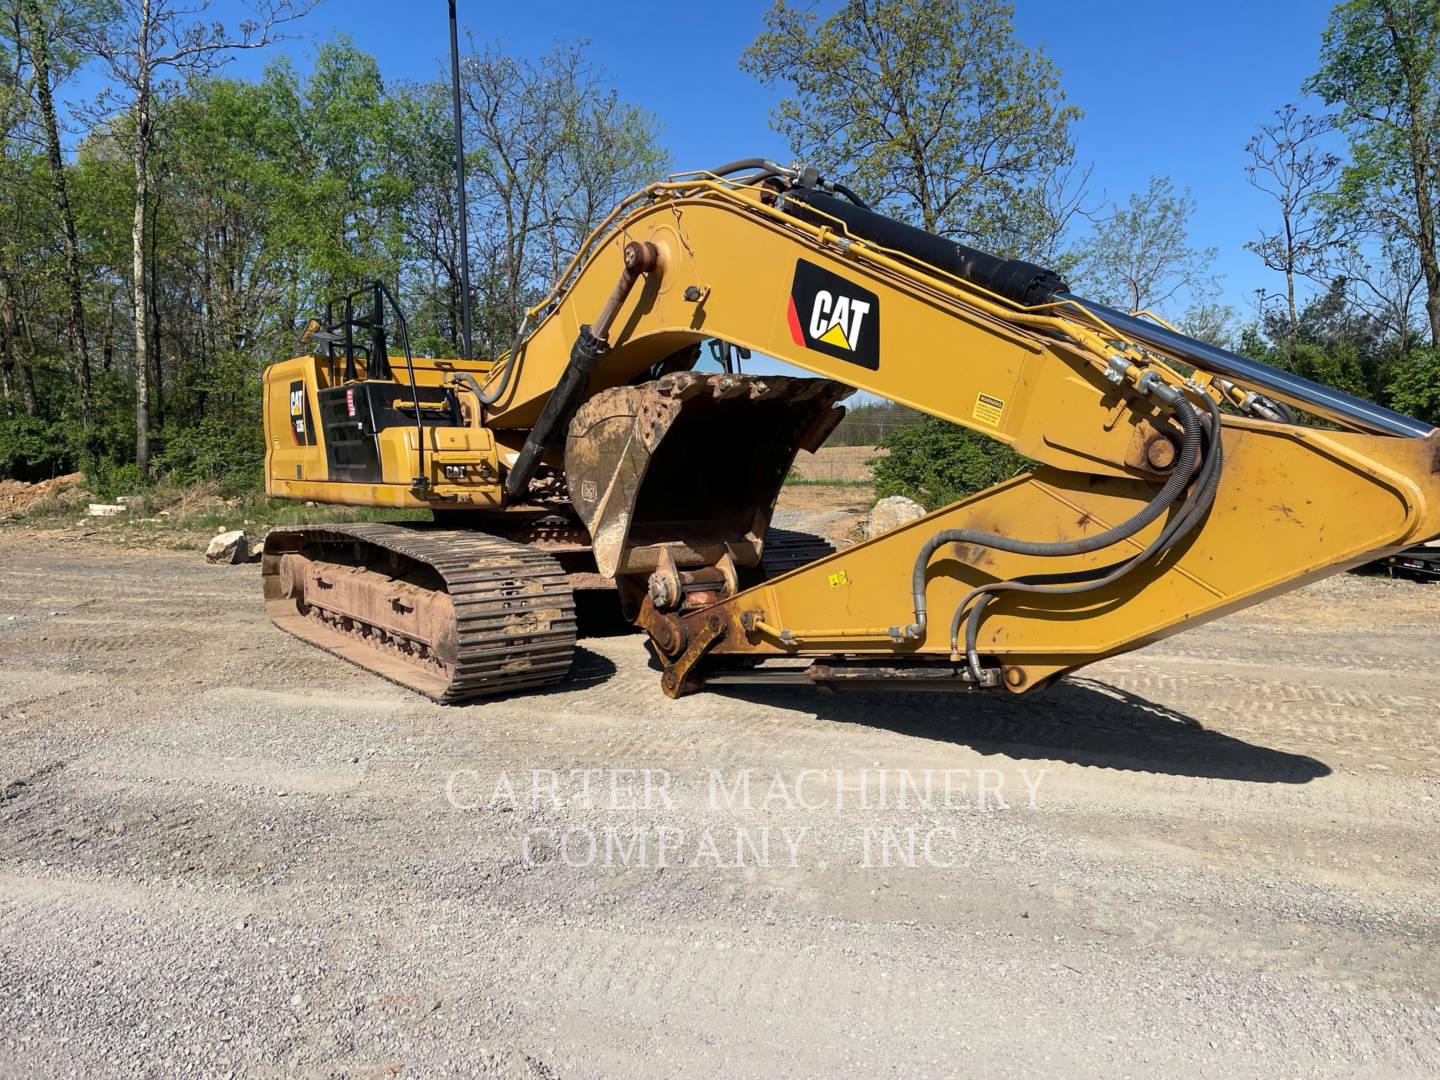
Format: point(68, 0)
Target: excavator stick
point(690, 465)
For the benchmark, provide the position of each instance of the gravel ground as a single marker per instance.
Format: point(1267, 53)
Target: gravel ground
point(222, 853)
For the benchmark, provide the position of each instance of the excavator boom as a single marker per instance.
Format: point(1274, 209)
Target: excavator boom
point(1172, 481)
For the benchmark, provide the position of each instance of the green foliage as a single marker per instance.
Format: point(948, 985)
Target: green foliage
point(33, 448)
point(106, 480)
point(931, 109)
point(936, 462)
point(1415, 389)
point(267, 198)
point(228, 451)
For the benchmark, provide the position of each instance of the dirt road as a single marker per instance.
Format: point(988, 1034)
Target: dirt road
point(224, 853)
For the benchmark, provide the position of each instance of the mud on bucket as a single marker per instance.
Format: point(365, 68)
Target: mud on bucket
point(691, 464)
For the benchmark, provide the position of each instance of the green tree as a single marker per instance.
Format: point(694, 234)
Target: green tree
point(148, 45)
point(932, 110)
point(47, 33)
point(1140, 255)
point(1415, 389)
point(1380, 65)
point(936, 462)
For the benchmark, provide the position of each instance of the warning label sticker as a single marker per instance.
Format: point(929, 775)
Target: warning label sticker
point(988, 410)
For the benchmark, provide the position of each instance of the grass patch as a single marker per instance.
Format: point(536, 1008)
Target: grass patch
point(805, 481)
point(188, 516)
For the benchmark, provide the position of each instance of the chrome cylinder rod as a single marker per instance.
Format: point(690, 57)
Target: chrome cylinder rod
point(1335, 405)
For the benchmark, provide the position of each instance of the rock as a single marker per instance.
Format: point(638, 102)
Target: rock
point(106, 509)
point(228, 547)
point(891, 513)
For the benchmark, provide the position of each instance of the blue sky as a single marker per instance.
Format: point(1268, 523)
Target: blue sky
point(1167, 88)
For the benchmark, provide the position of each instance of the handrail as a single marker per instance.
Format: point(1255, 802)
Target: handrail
point(422, 481)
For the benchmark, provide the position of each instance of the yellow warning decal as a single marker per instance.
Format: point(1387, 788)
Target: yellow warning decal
point(988, 410)
point(839, 578)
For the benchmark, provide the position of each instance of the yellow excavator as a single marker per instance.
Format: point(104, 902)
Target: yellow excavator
point(598, 459)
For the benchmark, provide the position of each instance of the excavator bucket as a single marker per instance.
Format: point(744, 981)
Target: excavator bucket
point(691, 464)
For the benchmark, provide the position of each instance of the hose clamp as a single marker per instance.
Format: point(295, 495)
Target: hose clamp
point(1151, 384)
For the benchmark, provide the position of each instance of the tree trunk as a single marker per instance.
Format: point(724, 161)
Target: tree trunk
point(140, 298)
point(139, 159)
point(154, 263)
point(16, 358)
point(1291, 314)
point(1422, 159)
point(107, 345)
point(1294, 318)
point(7, 368)
point(75, 321)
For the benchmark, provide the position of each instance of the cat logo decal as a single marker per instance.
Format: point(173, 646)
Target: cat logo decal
point(834, 316)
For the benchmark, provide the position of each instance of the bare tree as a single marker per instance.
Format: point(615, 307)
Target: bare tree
point(1286, 164)
point(1385, 281)
point(551, 149)
point(1140, 255)
point(145, 49)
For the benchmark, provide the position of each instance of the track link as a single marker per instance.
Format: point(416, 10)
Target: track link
point(787, 549)
point(506, 616)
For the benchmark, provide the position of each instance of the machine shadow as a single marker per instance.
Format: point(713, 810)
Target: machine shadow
point(1079, 721)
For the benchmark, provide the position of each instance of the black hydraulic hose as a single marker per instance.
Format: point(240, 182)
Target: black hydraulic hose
point(843, 190)
point(1175, 484)
point(1177, 529)
point(765, 165)
point(512, 364)
point(1028, 285)
point(1192, 512)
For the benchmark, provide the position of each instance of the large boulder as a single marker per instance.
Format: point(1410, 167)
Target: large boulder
point(890, 513)
point(228, 547)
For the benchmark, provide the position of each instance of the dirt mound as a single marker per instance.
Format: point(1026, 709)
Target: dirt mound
point(16, 496)
point(838, 464)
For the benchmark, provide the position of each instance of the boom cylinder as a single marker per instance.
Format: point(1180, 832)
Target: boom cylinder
point(1029, 285)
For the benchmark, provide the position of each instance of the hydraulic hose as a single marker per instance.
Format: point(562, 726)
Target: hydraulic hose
point(1180, 526)
point(843, 190)
point(1175, 484)
point(765, 165)
point(511, 365)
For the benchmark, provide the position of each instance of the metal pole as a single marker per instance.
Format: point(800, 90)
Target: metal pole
point(464, 230)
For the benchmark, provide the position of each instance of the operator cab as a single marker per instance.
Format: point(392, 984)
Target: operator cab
point(364, 397)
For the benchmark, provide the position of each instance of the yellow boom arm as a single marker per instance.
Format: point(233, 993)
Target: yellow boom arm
point(1097, 408)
